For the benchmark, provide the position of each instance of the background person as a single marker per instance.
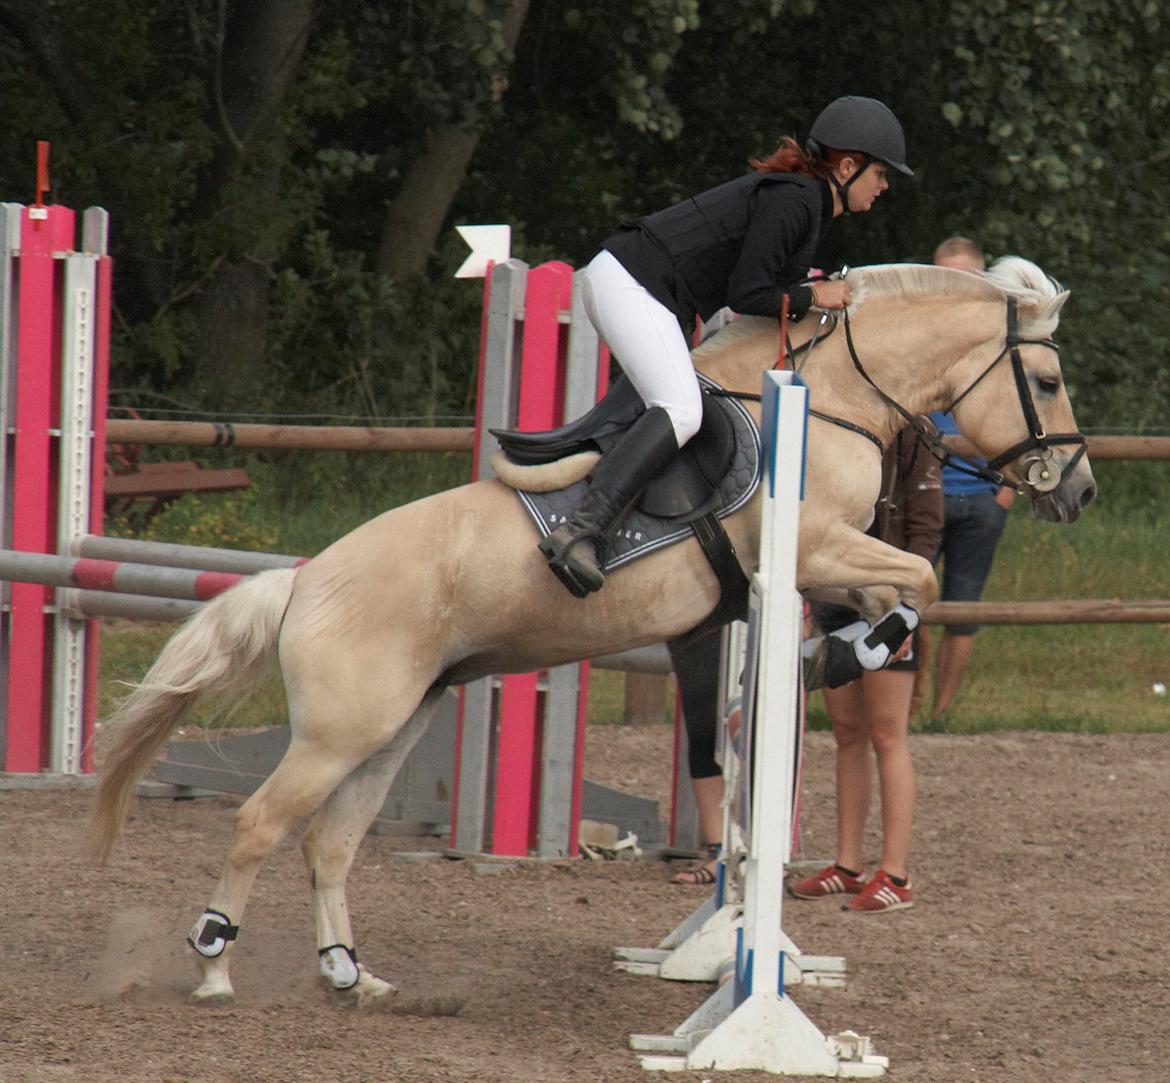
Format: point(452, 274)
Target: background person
point(874, 710)
point(974, 516)
point(746, 244)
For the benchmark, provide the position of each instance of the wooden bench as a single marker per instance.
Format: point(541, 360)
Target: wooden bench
point(160, 483)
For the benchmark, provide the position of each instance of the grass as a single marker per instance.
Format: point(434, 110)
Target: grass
point(1079, 678)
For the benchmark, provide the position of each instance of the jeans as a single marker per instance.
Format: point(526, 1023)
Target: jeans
point(972, 526)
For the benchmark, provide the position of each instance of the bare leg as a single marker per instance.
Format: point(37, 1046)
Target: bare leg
point(887, 698)
point(953, 655)
point(329, 847)
point(925, 643)
point(709, 805)
point(873, 711)
point(846, 708)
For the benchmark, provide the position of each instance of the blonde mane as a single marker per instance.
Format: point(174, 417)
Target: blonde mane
point(1038, 296)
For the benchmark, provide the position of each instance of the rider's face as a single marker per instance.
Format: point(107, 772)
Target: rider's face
point(872, 182)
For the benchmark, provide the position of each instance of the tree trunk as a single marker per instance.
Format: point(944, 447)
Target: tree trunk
point(416, 214)
point(259, 51)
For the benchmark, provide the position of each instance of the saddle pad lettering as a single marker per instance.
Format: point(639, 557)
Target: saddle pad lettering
point(639, 533)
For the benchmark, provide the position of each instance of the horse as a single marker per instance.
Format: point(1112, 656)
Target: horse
point(449, 588)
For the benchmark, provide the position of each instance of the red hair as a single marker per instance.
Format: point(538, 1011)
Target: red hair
point(790, 157)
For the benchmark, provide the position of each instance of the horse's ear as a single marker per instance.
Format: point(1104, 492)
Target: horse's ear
point(1046, 310)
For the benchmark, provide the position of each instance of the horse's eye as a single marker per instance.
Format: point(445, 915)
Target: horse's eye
point(1048, 384)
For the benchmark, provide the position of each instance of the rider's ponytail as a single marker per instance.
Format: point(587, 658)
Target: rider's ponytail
point(790, 157)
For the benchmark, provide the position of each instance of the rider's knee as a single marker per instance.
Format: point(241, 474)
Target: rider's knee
point(686, 416)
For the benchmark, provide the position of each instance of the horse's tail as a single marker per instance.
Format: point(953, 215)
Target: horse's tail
point(225, 648)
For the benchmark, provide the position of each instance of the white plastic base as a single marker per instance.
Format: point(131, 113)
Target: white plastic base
point(700, 950)
point(766, 1032)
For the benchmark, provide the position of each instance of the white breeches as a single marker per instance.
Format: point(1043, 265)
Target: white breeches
point(647, 340)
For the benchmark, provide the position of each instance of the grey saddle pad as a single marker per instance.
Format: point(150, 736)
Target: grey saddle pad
point(639, 533)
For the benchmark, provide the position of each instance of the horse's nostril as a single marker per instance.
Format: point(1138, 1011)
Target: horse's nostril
point(1088, 495)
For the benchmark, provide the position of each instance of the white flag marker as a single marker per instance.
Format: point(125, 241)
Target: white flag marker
point(489, 244)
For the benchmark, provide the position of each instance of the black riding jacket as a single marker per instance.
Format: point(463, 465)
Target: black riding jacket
point(743, 244)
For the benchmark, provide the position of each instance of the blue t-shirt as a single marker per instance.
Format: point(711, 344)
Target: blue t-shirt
point(955, 482)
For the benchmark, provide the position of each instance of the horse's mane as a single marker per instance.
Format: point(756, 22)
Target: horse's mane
point(1039, 296)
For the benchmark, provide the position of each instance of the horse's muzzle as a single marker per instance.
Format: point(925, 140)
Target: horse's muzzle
point(1075, 492)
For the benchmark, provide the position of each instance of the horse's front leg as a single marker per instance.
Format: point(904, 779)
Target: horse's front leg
point(875, 575)
point(883, 584)
point(329, 847)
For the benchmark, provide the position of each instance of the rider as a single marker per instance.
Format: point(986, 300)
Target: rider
point(745, 244)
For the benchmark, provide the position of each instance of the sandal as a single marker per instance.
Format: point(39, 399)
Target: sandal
point(703, 874)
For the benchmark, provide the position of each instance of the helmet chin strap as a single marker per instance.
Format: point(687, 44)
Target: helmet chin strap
point(843, 189)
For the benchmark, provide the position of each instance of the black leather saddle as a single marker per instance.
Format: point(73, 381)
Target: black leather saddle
point(684, 490)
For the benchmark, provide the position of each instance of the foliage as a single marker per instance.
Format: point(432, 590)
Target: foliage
point(224, 521)
point(1036, 129)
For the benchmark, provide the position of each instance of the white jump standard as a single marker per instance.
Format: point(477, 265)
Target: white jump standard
point(750, 1022)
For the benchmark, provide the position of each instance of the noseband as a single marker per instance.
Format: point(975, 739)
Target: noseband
point(1041, 472)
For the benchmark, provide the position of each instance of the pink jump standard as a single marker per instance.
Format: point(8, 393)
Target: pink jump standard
point(54, 307)
point(540, 363)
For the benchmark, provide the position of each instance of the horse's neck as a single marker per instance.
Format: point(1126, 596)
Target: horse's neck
point(918, 351)
point(913, 350)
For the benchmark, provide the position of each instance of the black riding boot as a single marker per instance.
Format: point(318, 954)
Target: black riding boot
point(575, 550)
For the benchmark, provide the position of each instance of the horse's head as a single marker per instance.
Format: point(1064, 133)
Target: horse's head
point(1015, 409)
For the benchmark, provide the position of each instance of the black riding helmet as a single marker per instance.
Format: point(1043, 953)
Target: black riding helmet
point(862, 124)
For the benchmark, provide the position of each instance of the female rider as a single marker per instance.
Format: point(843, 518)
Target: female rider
point(744, 245)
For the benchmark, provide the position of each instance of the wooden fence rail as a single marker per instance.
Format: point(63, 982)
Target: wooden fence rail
point(1056, 611)
point(287, 437)
point(1100, 447)
point(350, 438)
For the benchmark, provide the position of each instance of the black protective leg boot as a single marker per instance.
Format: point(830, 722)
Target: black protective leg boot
point(575, 550)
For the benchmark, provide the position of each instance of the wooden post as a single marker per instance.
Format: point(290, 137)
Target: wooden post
point(647, 698)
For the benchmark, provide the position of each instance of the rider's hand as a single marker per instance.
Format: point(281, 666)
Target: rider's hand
point(831, 293)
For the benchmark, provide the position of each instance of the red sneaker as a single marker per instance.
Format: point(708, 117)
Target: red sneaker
point(829, 881)
point(880, 895)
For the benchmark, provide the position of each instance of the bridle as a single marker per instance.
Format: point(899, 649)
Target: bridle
point(1040, 470)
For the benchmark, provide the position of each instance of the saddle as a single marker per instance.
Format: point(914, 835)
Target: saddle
point(714, 474)
point(685, 490)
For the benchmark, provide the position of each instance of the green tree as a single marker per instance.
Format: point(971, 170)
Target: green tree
point(283, 177)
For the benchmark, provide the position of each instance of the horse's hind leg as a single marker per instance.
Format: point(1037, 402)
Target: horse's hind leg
point(329, 847)
point(304, 778)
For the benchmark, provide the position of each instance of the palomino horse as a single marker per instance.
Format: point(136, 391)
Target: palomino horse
point(452, 587)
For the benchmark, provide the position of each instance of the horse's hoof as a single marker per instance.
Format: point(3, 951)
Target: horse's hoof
point(215, 991)
point(370, 992)
point(217, 999)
